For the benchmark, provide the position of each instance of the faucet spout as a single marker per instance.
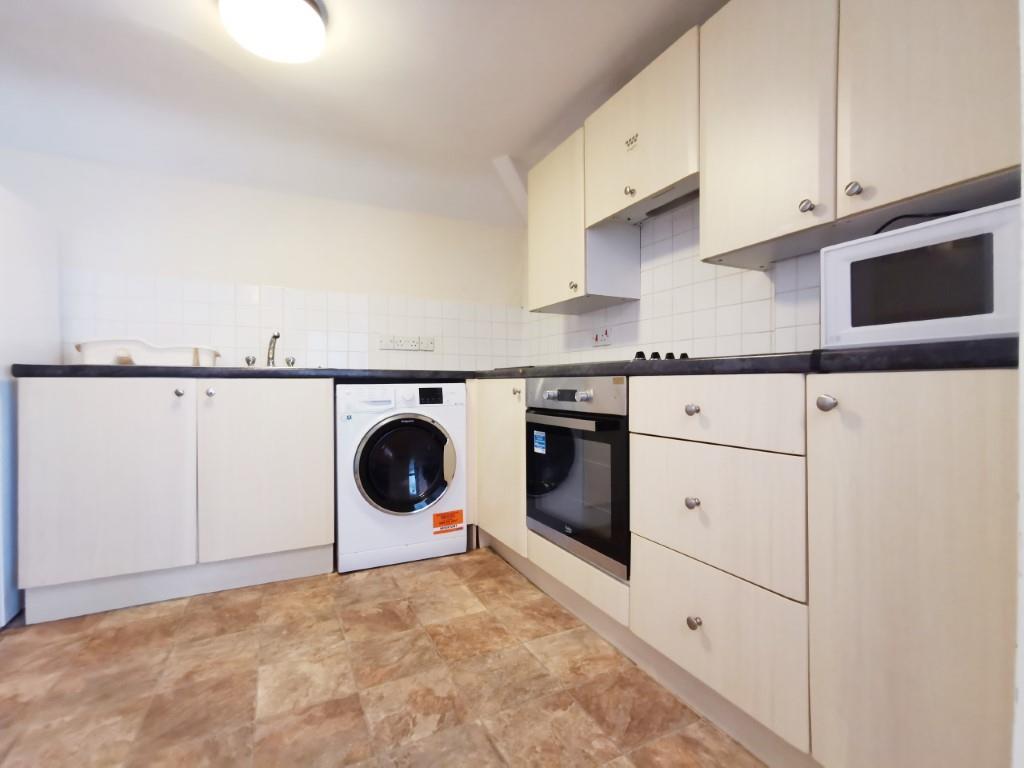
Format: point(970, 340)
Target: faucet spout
point(272, 349)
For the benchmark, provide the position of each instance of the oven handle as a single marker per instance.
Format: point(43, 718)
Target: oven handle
point(562, 421)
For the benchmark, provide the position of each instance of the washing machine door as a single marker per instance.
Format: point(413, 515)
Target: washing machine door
point(404, 464)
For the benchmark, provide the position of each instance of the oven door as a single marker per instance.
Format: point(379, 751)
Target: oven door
point(577, 485)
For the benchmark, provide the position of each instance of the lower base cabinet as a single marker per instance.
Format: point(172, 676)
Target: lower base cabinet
point(746, 643)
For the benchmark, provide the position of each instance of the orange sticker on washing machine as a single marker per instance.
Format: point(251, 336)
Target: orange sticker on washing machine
point(448, 522)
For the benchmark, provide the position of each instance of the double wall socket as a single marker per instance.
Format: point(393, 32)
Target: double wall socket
point(408, 343)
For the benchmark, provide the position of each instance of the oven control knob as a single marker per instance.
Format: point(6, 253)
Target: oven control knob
point(584, 396)
point(551, 394)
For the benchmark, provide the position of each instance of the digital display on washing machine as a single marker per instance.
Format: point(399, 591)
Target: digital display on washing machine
point(431, 396)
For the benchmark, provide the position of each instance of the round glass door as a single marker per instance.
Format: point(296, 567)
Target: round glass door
point(404, 464)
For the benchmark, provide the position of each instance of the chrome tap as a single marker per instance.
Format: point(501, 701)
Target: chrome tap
point(272, 349)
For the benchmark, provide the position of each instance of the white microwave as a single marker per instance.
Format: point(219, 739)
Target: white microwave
point(951, 278)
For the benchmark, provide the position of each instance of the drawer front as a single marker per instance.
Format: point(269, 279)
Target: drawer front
point(595, 586)
point(750, 646)
point(748, 514)
point(761, 410)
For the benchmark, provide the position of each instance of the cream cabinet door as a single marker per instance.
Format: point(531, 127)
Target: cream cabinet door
point(106, 478)
point(645, 137)
point(266, 466)
point(767, 114)
point(556, 247)
point(500, 416)
point(912, 503)
point(929, 95)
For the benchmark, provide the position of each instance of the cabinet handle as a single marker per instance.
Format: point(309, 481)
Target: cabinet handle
point(806, 206)
point(694, 622)
point(516, 391)
point(826, 402)
point(573, 286)
point(179, 392)
point(210, 392)
point(691, 502)
point(692, 409)
point(853, 189)
point(629, 191)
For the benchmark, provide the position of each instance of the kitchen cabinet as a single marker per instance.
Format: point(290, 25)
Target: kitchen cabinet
point(644, 139)
point(592, 584)
point(266, 466)
point(571, 269)
point(745, 642)
point(928, 96)
point(912, 531)
point(767, 121)
point(500, 418)
point(106, 477)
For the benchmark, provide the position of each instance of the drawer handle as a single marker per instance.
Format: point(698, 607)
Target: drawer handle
point(211, 392)
point(694, 622)
point(691, 502)
point(826, 403)
point(692, 409)
point(179, 392)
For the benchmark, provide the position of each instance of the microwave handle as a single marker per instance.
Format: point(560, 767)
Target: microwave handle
point(562, 421)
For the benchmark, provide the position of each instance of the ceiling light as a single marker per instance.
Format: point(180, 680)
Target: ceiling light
point(290, 31)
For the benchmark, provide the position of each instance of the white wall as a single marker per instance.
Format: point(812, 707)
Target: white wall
point(29, 333)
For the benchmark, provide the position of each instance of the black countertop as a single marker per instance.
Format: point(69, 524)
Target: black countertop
point(981, 353)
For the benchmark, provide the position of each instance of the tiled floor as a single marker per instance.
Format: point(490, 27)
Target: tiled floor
point(443, 663)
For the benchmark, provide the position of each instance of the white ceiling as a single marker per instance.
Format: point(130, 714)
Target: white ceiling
point(408, 107)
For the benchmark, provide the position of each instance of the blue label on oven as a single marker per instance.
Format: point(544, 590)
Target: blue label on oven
point(540, 442)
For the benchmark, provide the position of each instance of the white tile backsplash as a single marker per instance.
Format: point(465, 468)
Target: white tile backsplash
point(685, 306)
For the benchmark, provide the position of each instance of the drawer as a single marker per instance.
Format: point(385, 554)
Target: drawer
point(750, 646)
point(758, 410)
point(751, 517)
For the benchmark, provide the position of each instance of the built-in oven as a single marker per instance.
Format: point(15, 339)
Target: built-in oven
point(577, 468)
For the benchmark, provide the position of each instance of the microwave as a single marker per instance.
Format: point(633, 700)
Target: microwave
point(951, 278)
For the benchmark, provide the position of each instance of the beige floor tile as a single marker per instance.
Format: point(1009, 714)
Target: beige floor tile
point(479, 564)
point(466, 746)
point(507, 678)
point(22, 655)
point(197, 660)
point(416, 582)
point(631, 708)
point(293, 685)
point(298, 610)
point(331, 733)
point(536, 617)
point(577, 655)
point(468, 636)
point(279, 643)
point(445, 604)
point(152, 638)
point(553, 730)
point(168, 608)
point(199, 709)
point(230, 746)
point(392, 657)
point(494, 591)
point(224, 614)
point(84, 740)
point(412, 708)
point(700, 742)
point(364, 621)
point(374, 585)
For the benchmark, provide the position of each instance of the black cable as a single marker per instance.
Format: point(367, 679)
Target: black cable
point(894, 219)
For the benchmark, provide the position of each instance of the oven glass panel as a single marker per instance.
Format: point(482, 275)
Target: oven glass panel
point(951, 279)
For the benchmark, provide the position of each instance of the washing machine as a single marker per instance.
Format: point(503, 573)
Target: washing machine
point(401, 473)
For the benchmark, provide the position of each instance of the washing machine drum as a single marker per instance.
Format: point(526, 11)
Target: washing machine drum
point(405, 464)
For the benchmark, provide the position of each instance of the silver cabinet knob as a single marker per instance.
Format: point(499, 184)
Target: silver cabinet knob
point(694, 622)
point(853, 189)
point(691, 502)
point(551, 394)
point(806, 206)
point(210, 392)
point(584, 396)
point(179, 392)
point(573, 285)
point(629, 191)
point(289, 361)
point(826, 402)
point(250, 360)
point(692, 409)
point(516, 391)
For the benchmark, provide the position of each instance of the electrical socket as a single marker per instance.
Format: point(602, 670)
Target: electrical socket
point(601, 337)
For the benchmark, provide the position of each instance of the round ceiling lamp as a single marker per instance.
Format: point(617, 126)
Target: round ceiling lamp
point(289, 31)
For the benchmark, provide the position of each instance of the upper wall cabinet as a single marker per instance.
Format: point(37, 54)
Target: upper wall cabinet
point(767, 115)
point(642, 143)
point(929, 96)
point(571, 269)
